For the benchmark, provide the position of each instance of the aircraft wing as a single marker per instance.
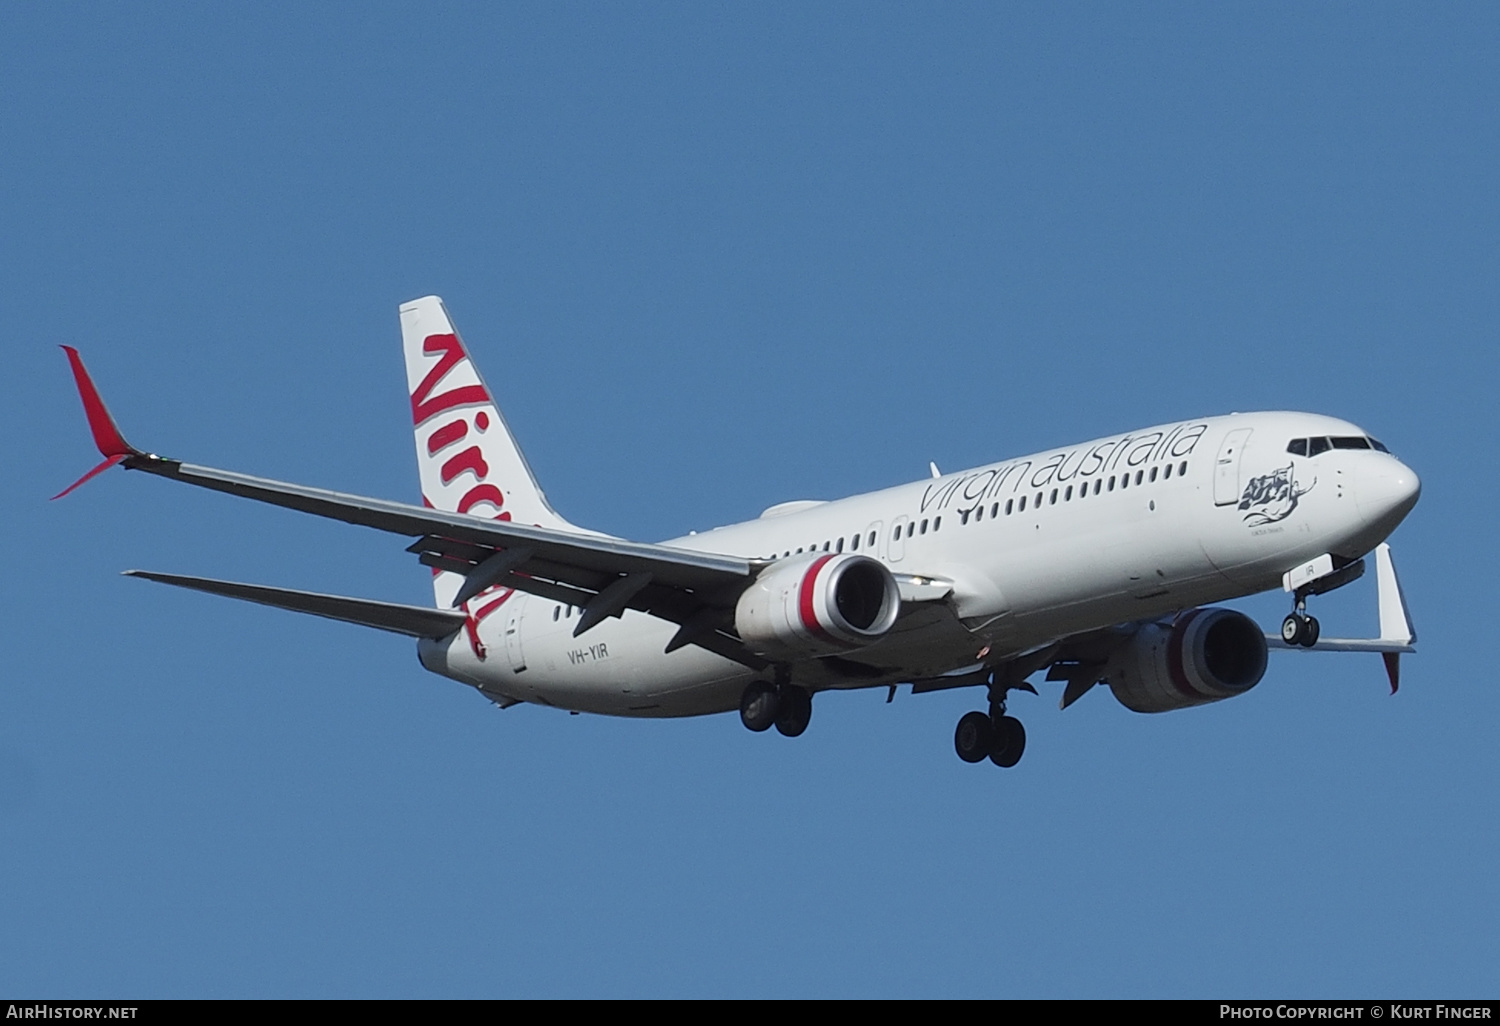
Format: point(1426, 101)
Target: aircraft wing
point(603, 576)
point(416, 621)
point(581, 560)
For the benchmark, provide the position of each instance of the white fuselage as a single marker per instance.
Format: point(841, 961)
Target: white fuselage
point(1120, 529)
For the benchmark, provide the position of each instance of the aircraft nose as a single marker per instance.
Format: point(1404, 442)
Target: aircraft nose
point(1387, 492)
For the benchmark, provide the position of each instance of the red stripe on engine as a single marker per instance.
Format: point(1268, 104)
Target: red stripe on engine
point(805, 607)
point(1174, 657)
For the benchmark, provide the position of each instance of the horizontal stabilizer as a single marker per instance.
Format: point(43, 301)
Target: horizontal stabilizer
point(417, 621)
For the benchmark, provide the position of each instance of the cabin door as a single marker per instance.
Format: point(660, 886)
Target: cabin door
point(1227, 468)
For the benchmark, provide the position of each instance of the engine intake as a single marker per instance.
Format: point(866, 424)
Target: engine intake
point(1203, 655)
point(817, 605)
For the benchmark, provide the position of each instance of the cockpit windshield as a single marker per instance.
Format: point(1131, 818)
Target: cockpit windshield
point(1316, 446)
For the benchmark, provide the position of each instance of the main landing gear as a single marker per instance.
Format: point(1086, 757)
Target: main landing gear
point(1298, 628)
point(993, 736)
point(785, 706)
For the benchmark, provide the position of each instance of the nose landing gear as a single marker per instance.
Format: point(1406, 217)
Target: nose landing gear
point(1298, 628)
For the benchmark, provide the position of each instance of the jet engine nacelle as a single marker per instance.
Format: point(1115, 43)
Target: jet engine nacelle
point(817, 605)
point(1201, 656)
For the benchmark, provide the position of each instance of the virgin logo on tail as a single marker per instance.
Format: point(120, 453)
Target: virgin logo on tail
point(425, 406)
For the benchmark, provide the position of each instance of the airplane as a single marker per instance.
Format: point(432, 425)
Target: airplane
point(1098, 562)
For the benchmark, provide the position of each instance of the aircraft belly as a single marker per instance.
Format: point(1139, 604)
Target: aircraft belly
point(620, 667)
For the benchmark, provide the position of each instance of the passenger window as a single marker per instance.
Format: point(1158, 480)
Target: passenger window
point(556, 612)
point(937, 522)
point(1140, 475)
point(840, 546)
point(1068, 495)
point(854, 544)
point(1037, 504)
point(924, 526)
point(1124, 481)
point(1317, 446)
point(979, 514)
point(799, 550)
point(1022, 507)
point(1111, 482)
point(1182, 468)
point(896, 533)
point(826, 546)
point(1052, 499)
point(995, 510)
point(1097, 485)
point(911, 529)
point(872, 537)
point(1167, 473)
point(1153, 473)
point(1297, 447)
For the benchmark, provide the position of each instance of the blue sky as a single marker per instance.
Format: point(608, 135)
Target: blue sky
point(713, 257)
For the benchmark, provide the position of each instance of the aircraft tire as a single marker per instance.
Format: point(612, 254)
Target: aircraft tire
point(1009, 743)
point(1310, 632)
point(759, 706)
point(974, 737)
point(794, 710)
point(1291, 629)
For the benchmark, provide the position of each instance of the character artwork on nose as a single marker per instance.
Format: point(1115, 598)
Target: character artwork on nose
point(1272, 497)
point(452, 427)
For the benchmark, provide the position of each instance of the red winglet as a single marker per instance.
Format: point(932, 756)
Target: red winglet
point(112, 444)
point(97, 470)
point(106, 436)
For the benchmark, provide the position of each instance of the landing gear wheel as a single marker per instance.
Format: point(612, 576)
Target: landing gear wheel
point(1291, 629)
point(1310, 631)
point(795, 710)
point(974, 737)
point(1009, 742)
point(759, 705)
